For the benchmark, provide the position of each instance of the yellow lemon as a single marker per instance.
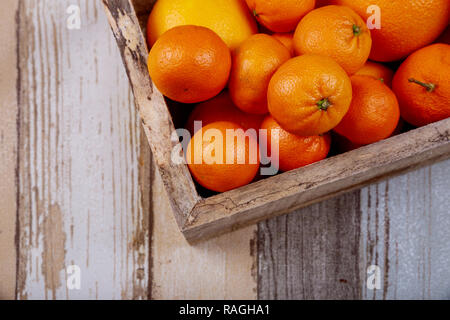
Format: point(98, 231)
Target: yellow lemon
point(230, 19)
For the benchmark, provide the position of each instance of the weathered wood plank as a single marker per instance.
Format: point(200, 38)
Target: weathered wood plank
point(311, 253)
point(8, 148)
point(405, 227)
point(400, 225)
point(220, 268)
point(83, 178)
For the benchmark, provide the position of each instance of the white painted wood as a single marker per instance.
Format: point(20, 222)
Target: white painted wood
point(80, 200)
point(220, 268)
point(401, 226)
point(85, 180)
point(405, 230)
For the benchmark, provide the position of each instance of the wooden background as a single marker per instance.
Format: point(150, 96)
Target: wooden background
point(77, 187)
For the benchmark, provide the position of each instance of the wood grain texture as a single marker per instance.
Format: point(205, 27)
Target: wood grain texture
point(84, 181)
point(400, 225)
point(8, 148)
point(312, 253)
point(219, 268)
point(405, 227)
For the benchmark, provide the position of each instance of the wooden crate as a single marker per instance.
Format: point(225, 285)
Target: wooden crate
point(204, 217)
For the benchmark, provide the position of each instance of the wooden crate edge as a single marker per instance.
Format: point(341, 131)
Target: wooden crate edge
point(287, 192)
point(156, 118)
point(199, 219)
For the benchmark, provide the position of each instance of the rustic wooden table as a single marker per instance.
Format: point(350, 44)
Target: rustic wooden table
point(78, 188)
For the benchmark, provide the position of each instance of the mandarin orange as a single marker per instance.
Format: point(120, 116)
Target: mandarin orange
point(422, 85)
point(405, 26)
point(189, 64)
point(337, 32)
point(294, 151)
point(309, 95)
point(374, 112)
point(378, 71)
point(287, 39)
point(221, 157)
point(280, 15)
point(254, 63)
point(221, 108)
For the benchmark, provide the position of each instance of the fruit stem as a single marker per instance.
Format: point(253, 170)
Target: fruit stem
point(324, 104)
point(256, 14)
point(356, 30)
point(429, 86)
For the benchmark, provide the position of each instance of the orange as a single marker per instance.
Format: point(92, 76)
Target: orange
point(343, 144)
point(374, 112)
point(309, 95)
point(254, 63)
point(405, 25)
point(230, 19)
point(189, 64)
point(287, 39)
point(280, 15)
point(220, 163)
point(422, 85)
point(295, 151)
point(337, 32)
point(378, 71)
point(221, 108)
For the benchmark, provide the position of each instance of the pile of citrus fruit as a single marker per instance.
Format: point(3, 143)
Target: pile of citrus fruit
point(311, 74)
